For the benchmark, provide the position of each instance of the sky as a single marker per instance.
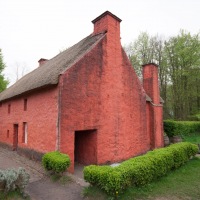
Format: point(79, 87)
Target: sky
point(34, 29)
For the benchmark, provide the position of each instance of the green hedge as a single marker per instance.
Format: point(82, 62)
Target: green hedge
point(140, 170)
point(55, 161)
point(173, 128)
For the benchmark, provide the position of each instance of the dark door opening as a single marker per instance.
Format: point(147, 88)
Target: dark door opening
point(15, 137)
point(85, 147)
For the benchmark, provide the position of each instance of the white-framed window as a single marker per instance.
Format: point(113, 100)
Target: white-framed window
point(25, 133)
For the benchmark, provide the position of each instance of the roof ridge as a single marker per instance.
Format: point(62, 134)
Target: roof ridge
point(88, 50)
point(48, 74)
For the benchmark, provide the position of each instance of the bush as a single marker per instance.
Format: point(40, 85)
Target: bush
point(195, 117)
point(55, 161)
point(11, 180)
point(173, 128)
point(140, 170)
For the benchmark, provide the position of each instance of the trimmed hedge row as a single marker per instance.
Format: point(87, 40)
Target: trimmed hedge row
point(55, 161)
point(173, 128)
point(139, 170)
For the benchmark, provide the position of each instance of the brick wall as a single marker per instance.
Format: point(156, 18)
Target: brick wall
point(102, 92)
point(41, 118)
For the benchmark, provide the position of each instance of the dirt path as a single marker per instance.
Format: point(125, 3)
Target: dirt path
point(40, 186)
point(45, 189)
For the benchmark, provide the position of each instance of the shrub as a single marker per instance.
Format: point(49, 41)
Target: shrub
point(173, 128)
point(55, 161)
point(11, 180)
point(195, 117)
point(140, 170)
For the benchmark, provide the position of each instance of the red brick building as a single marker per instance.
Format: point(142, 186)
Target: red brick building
point(86, 102)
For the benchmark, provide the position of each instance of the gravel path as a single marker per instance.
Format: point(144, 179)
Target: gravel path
point(40, 186)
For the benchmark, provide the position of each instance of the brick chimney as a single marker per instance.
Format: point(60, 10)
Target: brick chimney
point(42, 61)
point(107, 22)
point(154, 107)
point(150, 82)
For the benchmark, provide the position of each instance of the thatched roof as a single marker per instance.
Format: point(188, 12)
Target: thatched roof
point(48, 73)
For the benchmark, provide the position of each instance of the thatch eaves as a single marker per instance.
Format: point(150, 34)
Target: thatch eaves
point(48, 73)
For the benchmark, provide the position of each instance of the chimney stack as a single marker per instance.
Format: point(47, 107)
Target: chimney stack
point(107, 22)
point(42, 61)
point(150, 82)
point(154, 107)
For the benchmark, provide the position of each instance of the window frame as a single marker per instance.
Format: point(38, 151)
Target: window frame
point(25, 133)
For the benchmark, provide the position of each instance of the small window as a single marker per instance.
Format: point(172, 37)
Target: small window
point(9, 108)
point(25, 133)
point(8, 133)
point(25, 104)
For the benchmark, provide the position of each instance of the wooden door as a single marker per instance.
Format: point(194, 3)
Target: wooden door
point(15, 137)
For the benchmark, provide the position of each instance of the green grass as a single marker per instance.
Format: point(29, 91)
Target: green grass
point(193, 138)
point(14, 195)
point(62, 179)
point(92, 193)
point(177, 185)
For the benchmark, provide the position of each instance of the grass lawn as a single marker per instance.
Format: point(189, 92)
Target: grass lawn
point(193, 138)
point(182, 184)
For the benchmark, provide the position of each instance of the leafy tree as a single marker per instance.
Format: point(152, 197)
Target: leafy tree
point(3, 81)
point(139, 52)
point(178, 58)
point(183, 61)
point(146, 49)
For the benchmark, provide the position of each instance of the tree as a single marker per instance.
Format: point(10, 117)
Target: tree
point(20, 69)
point(3, 81)
point(146, 49)
point(139, 52)
point(183, 61)
point(178, 58)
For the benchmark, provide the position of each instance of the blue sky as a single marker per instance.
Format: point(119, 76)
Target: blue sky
point(34, 29)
